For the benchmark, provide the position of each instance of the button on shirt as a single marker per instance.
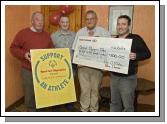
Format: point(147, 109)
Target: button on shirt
point(63, 39)
point(97, 32)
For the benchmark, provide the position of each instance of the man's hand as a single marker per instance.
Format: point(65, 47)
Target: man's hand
point(28, 56)
point(79, 66)
point(132, 56)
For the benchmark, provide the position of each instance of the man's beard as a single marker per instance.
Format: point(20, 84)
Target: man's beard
point(122, 34)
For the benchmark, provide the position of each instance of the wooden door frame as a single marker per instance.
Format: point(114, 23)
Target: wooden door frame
point(81, 10)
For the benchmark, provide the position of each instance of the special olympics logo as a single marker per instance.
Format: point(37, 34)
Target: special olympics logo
point(52, 63)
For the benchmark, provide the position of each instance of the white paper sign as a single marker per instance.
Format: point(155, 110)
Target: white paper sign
point(103, 53)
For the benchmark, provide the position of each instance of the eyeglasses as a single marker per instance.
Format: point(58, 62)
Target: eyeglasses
point(90, 19)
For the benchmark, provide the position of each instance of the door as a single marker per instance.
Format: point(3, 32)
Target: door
point(75, 17)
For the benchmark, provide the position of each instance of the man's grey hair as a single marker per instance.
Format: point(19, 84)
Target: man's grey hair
point(91, 12)
point(34, 14)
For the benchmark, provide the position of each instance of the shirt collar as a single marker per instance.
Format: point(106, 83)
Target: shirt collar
point(117, 36)
point(94, 30)
point(64, 33)
point(33, 29)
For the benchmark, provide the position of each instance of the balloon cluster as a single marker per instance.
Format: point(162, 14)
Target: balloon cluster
point(55, 17)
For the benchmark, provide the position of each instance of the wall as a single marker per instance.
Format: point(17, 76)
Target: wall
point(16, 18)
point(102, 14)
point(143, 24)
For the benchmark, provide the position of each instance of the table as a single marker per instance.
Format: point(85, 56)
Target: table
point(144, 86)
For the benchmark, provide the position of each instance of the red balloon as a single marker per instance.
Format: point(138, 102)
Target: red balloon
point(66, 9)
point(55, 17)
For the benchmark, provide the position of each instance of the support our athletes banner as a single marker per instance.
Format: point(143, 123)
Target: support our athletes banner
point(52, 77)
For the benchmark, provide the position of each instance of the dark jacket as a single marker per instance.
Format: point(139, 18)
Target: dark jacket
point(142, 52)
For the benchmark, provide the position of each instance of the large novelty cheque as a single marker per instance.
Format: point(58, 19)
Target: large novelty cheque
point(104, 53)
point(52, 77)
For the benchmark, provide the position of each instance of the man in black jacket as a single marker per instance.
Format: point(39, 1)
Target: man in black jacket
point(123, 85)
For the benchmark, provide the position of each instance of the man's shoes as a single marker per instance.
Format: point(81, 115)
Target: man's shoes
point(56, 109)
point(73, 110)
point(70, 107)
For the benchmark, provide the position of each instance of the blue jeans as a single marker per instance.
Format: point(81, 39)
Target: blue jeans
point(122, 93)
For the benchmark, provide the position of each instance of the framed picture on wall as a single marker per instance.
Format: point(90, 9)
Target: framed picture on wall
point(114, 12)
